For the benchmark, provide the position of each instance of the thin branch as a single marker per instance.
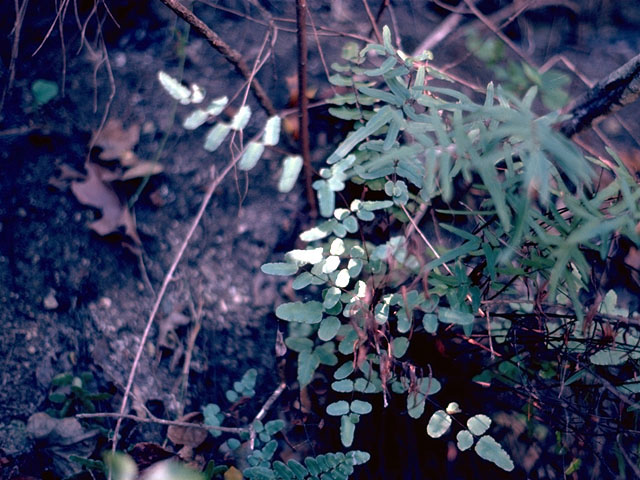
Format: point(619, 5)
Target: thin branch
point(374, 25)
point(162, 421)
point(609, 95)
point(165, 284)
point(443, 30)
point(263, 412)
point(303, 103)
point(15, 47)
point(233, 56)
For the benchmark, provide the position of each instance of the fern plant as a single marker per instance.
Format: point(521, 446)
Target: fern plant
point(522, 217)
point(534, 216)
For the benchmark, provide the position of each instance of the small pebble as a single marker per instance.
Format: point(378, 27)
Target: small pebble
point(31, 349)
point(105, 302)
point(50, 302)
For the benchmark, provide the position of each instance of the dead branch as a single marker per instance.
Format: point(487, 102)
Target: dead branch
point(233, 56)
point(303, 101)
point(609, 95)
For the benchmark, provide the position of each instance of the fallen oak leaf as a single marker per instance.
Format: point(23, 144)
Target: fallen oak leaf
point(118, 143)
point(188, 436)
point(95, 192)
point(142, 169)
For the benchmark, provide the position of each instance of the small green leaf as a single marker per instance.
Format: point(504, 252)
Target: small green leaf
point(216, 136)
point(271, 134)
point(291, 167)
point(358, 457)
point(282, 471)
point(326, 197)
point(343, 371)
point(338, 408)
point(609, 356)
point(175, 88)
point(241, 118)
point(430, 322)
point(308, 362)
point(573, 467)
point(251, 155)
point(439, 423)
point(279, 268)
point(217, 106)
point(478, 424)
point(386, 37)
point(301, 281)
point(347, 430)
point(446, 315)
point(399, 346)
point(274, 426)
point(298, 469)
point(360, 407)
point(210, 413)
point(44, 91)
point(299, 344)
point(342, 386)
point(195, 119)
point(309, 312)
point(464, 440)
point(328, 328)
point(490, 450)
point(257, 473)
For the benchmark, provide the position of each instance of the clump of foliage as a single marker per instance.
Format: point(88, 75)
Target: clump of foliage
point(520, 220)
point(517, 247)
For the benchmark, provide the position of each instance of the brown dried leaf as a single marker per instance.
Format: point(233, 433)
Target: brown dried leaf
point(188, 436)
point(146, 454)
point(232, 474)
point(118, 143)
point(95, 192)
point(142, 169)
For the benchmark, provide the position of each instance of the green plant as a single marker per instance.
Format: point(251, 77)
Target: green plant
point(519, 220)
point(71, 394)
point(518, 77)
point(519, 240)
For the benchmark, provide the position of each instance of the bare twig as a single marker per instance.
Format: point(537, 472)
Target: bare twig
point(491, 26)
point(233, 56)
point(372, 20)
point(303, 103)
point(165, 284)
point(263, 411)
point(630, 462)
point(609, 95)
point(448, 25)
point(15, 47)
point(162, 421)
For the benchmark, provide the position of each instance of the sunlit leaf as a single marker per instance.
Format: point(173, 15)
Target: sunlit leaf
point(216, 136)
point(347, 430)
point(439, 424)
point(464, 440)
point(271, 134)
point(175, 88)
point(251, 155)
point(478, 424)
point(338, 408)
point(241, 118)
point(291, 167)
point(303, 312)
point(279, 268)
point(490, 450)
